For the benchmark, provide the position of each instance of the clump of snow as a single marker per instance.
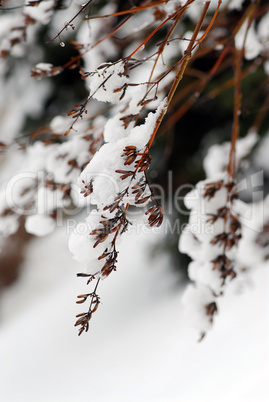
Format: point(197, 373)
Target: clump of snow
point(59, 162)
point(107, 83)
point(39, 225)
point(140, 135)
point(196, 238)
point(261, 154)
point(81, 243)
point(171, 6)
point(44, 66)
point(266, 67)
point(247, 37)
point(11, 27)
point(9, 225)
point(263, 34)
point(194, 300)
point(42, 12)
point(106, 184)
point(235, 4)
point(20, 189)
point(115, 128)
point(250, 254)
point(217, 157)
point(60, 124)
point(101, 171)
point(45, 70)
point(194, 10)
point(262, 30)
point(48, 200)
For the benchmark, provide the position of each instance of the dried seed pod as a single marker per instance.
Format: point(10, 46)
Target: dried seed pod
point(220, 239)
point(142, 200)
point(212, 188)
point(211, 309)
point(126, 173)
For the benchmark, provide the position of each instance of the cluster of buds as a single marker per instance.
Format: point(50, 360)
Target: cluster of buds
point(84, 318)
point(141, 191)
point(213, 244)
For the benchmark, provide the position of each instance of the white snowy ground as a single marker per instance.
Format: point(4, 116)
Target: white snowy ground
point(139, 347)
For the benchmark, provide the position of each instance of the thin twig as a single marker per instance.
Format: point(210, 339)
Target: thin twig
point(83, 8)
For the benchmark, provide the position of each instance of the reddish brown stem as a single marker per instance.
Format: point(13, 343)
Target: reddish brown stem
point(150, 35)
point(171, 30)
point(200, 87)
point(130, 11)
point(237, 109)
point(183, 64)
